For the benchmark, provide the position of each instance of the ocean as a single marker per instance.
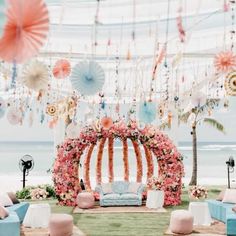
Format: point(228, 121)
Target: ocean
point(212, 169)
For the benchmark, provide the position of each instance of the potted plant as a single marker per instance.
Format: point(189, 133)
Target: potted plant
point(155, 194)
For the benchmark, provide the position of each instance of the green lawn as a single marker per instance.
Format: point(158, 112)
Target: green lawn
point(126, 223)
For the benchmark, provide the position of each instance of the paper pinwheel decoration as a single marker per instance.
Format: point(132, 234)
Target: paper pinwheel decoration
point(2, 107)
point(88, 77)
point(106, 122)
point(61, 69)
point(25, 30)
point(36, 76)
point(14, 116)
point(225, 62)
point(2, 16)
point(230, 84)
point(147, 112)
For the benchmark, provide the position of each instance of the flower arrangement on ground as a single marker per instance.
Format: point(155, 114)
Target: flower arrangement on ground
point(155, 183)
point(197, 192)
point(28, 192)
point(38, 194)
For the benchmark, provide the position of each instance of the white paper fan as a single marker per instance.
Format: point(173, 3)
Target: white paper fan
point(36, 76)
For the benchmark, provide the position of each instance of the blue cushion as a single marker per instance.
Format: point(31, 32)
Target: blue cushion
point(111, 196)
point(120, 187)
point(129, 196)
point(10, 226)
point(20, 209)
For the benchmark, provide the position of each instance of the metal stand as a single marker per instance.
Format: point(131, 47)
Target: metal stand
point(24, 174)
point(228, 176)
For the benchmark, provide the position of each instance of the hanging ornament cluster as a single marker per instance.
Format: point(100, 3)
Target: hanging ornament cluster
point(225, 62)
point(2, 107)
point(25, 30)
point(88, 78)
point(230, 84)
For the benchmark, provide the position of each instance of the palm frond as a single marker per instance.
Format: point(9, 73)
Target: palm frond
point(215, 124)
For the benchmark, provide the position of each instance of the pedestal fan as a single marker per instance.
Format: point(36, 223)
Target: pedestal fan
point(26, 164)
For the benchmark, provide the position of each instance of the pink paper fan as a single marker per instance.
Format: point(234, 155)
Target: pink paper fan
point(61, 69)
point(225, 62)
point(25, 30)
point(14, 116)
point(106, 122)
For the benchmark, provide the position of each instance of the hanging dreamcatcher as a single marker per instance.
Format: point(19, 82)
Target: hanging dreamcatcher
point(230, 84)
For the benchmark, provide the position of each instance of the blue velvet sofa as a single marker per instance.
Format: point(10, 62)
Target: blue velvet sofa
point(223, 212)
point(120, 195)
point(10, 226)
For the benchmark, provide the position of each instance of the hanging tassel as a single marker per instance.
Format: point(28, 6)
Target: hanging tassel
point(14, 74)
point(169, 119)
point(128, 56)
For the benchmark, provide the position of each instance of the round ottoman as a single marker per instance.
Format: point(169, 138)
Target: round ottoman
point(181, 222)
point(61, 225)
point(85, 200)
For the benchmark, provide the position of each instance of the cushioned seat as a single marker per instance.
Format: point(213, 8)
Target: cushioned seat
point(223, 212)
point(181, 222)
point(120, 193)
point(61, 225)
point(85, 200)
point(10, 226)
point(20, 209)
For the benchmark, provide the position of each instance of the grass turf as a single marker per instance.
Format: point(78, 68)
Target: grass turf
point(122, 224)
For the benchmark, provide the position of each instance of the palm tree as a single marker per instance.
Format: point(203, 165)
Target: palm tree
point(195, 115)
point(210, 121)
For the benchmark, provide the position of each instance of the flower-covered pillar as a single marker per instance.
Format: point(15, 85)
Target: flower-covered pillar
point(139, 161)
point(66, 171)
point(110, 159)
point(99, 161)
point(87, 167)
point(125, 159)
point(150, 167)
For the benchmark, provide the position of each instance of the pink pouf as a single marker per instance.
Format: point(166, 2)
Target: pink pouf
point(85, 200)
point(61, 225)
point(181, 222)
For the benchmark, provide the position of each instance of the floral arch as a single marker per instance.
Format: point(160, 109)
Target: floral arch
point(66, 167)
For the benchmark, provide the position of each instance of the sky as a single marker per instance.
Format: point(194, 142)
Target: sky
point(39, 132)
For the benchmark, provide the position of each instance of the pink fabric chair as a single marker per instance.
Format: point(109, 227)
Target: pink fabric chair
point(181, 222)
point(85, 200)
point(61, 225)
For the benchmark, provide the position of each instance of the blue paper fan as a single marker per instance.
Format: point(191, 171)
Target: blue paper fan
point(2, 16)
point(87, 78)
point(2, 107)
point(147, 112)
